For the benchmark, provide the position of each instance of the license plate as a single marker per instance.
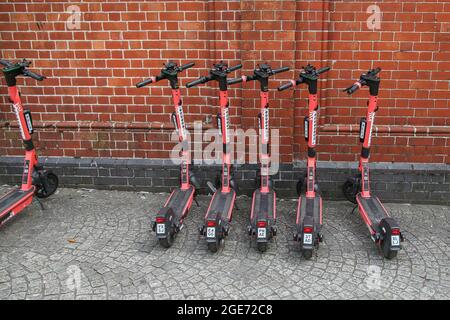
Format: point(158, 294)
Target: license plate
point(395, 240)
point(307, 238)
point(261, 233)
point(160, 228)
point(211, 232)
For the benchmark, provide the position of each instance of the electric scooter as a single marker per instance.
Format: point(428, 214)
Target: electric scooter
point(309, 208)
point(169, 219)
point(35, 180)
point(263, 212)
point(219, 214)
point(384, 230)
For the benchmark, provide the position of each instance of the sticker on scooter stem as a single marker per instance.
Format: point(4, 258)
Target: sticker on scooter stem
point(306, 126)
point(313, 117)
point(160, 228)
point(182, 123)
point(371, 120)
point(26, 171)
point(362, 129)
point(266, 125)
point(28, 121)
point(174, 121)
point(219, 123)
point(226, 119)
point(17, 109)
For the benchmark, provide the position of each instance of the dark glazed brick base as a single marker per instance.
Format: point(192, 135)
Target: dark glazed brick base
point(414, 183)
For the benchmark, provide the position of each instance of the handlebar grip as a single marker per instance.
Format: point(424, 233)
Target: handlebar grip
point(322, 70)
point(355, 87)
point(196, 82)
point(6, 63)
point(33, 75)
point(144, 83)
point(285, 86)
point(234, 81)
point(283, 69)
point(187, 66)
point(236, 67)
point(376, 71)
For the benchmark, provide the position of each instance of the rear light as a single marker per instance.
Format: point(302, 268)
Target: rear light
point(307, 229)
point(211, 223)
point(160, 220)
point(395, 232)
point(261, 224)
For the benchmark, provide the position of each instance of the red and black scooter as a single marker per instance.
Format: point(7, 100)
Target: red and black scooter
point(220, 210)
point(309, 208)
point(35, 180)
point(384, 230)
point(263, 212)
point(169, 219)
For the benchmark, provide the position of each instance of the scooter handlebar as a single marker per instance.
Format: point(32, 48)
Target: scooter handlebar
point(279, 70)
point(196, 82)
point(33, 75)
point(353, 88)
point(234, 81)
point(285, 86)
point(187, 66)
point(376, 71)
point(144, 83)
point(322, 70)
point(6, 63)
point(236, 67)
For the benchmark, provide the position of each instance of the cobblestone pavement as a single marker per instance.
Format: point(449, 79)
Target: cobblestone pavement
point(91, 244)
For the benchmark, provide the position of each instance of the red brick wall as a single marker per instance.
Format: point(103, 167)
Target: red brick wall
point(88, 106)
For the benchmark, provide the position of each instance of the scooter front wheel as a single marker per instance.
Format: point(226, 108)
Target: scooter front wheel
point(45, 190)
point(350, 190)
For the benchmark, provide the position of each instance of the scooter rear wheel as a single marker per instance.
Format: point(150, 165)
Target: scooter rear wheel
point(262, 246)
point(213, 246)
point(168, 241)
point(386, 249)
point(307, 253)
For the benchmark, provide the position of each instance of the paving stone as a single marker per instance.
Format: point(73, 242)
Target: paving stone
point(102, 248)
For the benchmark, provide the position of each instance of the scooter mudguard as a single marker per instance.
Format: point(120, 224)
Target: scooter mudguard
point(308, 237)
point(387, 225)
point(163, 222)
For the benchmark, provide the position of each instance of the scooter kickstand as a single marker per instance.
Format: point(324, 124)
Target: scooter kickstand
point(40, 204)
point(196, 202)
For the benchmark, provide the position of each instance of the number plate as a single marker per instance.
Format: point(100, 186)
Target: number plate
point(395, 240)
point(160, 228)
point(211, 232)
point(261, 233)
point(307, 238)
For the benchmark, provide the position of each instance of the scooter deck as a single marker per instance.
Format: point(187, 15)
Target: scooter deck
point(180, 201)
point(263, 205)
point(14, 198)
point(309, 207)
point(371, 210)
point(222, 204)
